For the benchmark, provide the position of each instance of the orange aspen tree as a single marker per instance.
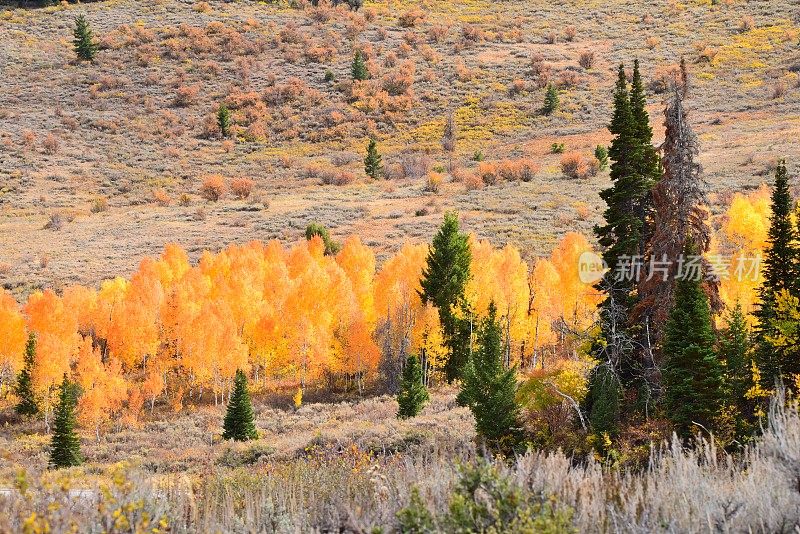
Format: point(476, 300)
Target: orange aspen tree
point(103, 387)
point(12, 338)
point(57, 341)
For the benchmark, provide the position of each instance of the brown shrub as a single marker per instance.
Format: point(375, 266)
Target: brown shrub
point(652, 42)
point(213, 187)
point(51, 144)
point(517, 87)
point(551, 38)
point(411, 18)
point(472, 33)
point(575, 166)
point(663, 77)
point(28, 138)
point(336, 177)
point(241, 187)
point(99, 205)
point(586, 60)
point(747, 23)
point(567, 79)
point(186, 95)
point(438, 33)
point(569, 33)
point(778, 90)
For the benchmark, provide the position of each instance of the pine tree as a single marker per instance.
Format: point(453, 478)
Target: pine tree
point(781, 258)
point(65, 445)
point(24, 388)
point(85, 47)
point(224, 120)
point(239, 424)
point(734, 352)
point(620, 237)
point(372, 163)
point(413, 394)
point(444, 279)
point(489, 390)
point(359, 68)
point(550, 99)
point(603, 400)
point(692, 373)
point(645, 161)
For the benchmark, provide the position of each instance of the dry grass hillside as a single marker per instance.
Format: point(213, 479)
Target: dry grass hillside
point(103, 163)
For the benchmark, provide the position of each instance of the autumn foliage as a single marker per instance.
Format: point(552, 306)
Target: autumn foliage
point(177, 332)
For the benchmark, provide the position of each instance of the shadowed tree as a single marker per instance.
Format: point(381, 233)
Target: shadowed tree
point(489, 390)
point(692, 372)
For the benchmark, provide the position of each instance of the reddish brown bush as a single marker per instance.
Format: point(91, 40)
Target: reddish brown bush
point(51, 144)
point(186, 95)
point(411, 18)
point(241, 187)
point(575, 166)
point(586, 59)
point(213, 187)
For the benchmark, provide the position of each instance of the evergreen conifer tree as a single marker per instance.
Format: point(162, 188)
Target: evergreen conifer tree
point(734, 352)
point(444, 279)
point(372, 163)
point(780, 262)
point(646, 164)
point(489, 390)
point(85, 47)
point(65, 445)
point(224, 120)
point(603, 400)
point(413, 394)
point(620, 236)
point(550, 99)
point(239, 423)
point(692, 373)
point(27, 404)
point(359, 67)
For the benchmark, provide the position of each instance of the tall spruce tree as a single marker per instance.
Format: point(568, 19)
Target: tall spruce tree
point(65, 447)
point(781, 258)
point(359, 67)
point(372, 162)
point(413, 394)
point(224, 120)
point(27, 405)
point(443, 282)
point(489, 390)
point(621, 235)
point(693, 376)
point(645, 161)
point(239, 423)
point(83, 42)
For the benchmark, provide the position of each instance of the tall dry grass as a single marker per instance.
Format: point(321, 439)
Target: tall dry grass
point(699, 489)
